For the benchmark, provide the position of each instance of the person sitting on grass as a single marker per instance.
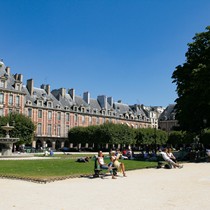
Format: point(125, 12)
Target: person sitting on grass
point(170, 155)
point(103, 165)
point(83, 160)
point(167, 159)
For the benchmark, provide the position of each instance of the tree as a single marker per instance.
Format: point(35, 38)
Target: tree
point(23, 127)
point(99, 135)
point(193, 89)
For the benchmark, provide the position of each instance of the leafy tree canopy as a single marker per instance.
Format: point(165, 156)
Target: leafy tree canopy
point(23, 127)
point(193, 85)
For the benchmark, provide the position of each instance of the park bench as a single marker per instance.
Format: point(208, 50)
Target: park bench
point(98, 170)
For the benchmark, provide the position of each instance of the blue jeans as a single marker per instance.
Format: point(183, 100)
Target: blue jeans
point(106, 167)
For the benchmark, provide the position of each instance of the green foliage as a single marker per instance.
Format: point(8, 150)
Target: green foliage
point(175, 137)
point(107, 133)
point(23, 127)
point(205, 138)
point(193, 89)
point(181, 137)
point(150, 136)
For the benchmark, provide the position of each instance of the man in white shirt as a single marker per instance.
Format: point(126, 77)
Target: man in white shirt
point(167, 159)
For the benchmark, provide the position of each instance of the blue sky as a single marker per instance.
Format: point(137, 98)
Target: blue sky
point(127, 49)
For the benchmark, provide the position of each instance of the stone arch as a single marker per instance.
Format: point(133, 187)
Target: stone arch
point(66, 143)
point(49, 143)
point(57, 144)
point(38, 144)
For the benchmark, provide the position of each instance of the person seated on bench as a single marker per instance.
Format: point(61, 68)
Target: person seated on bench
point(103, 165)
point(120, 166)
point(167, 159)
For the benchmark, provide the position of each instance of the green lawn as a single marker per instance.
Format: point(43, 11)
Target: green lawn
point(51, 169)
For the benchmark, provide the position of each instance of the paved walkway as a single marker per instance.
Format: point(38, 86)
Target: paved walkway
point(154, 189)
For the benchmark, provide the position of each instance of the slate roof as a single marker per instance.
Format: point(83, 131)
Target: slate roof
point(169, 113)
point(39, 93)
point(10, 78)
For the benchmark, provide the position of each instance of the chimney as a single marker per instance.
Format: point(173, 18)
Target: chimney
point(20, 77)
point(71, 92)
point(46, 88)
point(63, 92)
point(30, 86)
point(102, 101)
point(110, 101)
point(86, 97)
point(7, 69)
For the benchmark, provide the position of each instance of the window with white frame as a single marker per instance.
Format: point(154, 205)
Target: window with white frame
point(49, 115)
point(1, 112)
point(58, 116)
point(39, 113)
point(17, 101)
point(10, 99)
point(67, 117)
point(29, 112)
point(59, 130)
point(1, 98)
point(75, 118)
point(39, 129)
point(49, 129)
point(67, 130)
point(83, 119)
point(90, 120)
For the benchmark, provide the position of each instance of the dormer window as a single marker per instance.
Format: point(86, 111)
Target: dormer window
point(58, 106)
point(40, 103)
point(17, 86)
point(49, 104)
point(2, 83)
point(28, 102)
point(75, 108)
point(82, 109)
point(66, 108)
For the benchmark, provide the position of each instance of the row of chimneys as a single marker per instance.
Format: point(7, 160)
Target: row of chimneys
point(102, 99)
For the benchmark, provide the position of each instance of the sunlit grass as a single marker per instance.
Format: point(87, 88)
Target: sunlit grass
point(58, 167)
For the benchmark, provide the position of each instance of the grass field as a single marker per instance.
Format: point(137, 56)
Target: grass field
point(63, 166)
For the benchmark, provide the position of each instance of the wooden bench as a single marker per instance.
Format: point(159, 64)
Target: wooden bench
point(98, 170)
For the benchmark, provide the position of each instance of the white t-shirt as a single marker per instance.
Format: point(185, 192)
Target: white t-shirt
point(101, 160)
point(165, 156)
